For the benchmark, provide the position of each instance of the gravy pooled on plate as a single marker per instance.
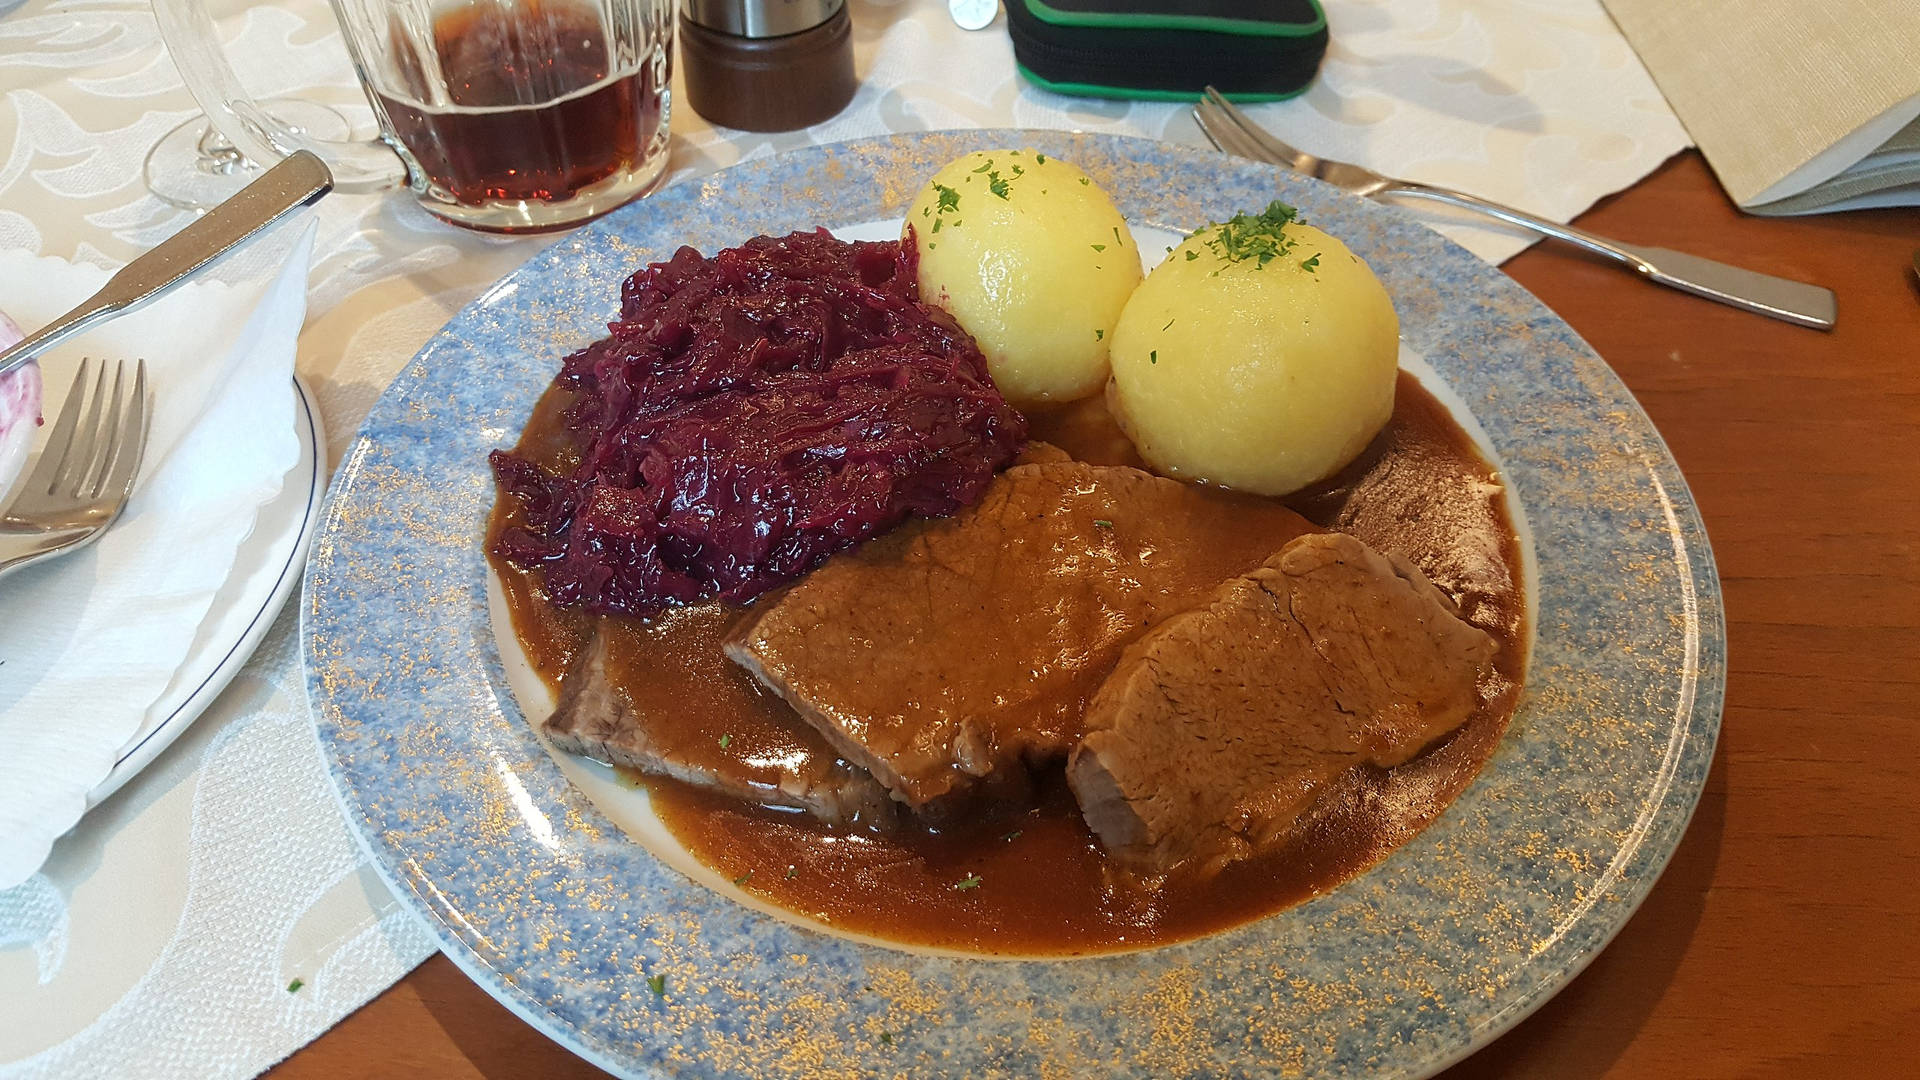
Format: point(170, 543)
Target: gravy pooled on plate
point(1032, 878)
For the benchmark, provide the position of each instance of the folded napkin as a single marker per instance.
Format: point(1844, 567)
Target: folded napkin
point(1800, 108)
point(88, 642)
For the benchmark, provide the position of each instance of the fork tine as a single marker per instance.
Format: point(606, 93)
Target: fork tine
point(1204, 117)
point(1227, 136)
point(106, 437)
point(77, 469)
point(1231, 114)
point(47, 471)
point(1271, 149)
point(131, 440)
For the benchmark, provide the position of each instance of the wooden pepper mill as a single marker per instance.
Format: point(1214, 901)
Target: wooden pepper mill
point(767, 65)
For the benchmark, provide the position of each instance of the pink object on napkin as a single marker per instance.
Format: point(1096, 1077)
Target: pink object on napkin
point(19, 411)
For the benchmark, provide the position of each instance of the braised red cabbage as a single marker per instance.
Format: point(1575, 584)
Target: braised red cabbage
point(749, 415)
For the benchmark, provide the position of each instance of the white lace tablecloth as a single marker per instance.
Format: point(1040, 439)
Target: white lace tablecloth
point(161, 937)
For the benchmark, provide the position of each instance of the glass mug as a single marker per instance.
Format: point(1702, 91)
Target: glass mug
point(503, 115)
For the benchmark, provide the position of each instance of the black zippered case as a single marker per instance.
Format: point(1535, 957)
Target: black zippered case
point(1169, 50)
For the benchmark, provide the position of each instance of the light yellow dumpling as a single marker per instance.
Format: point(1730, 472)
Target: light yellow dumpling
point(1034, 261)
point(1261, 355)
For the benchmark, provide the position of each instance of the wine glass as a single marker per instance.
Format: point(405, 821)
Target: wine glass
point(194, 167)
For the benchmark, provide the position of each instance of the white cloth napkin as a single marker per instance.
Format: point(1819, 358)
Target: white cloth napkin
point(89, 641)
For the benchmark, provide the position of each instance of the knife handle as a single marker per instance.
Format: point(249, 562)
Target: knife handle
point(1791, 301)
point(295, 182)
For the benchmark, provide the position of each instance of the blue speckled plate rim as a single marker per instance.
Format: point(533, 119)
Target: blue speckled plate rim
point(767, 188)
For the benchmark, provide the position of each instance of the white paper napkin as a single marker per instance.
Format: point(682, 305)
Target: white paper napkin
point(1538, 104)
point(89, 641)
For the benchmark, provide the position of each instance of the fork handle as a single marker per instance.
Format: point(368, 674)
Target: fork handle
point(1791, 301)
point(299, 180)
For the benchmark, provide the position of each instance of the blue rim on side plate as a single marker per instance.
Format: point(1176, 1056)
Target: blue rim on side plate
point(1396, 973)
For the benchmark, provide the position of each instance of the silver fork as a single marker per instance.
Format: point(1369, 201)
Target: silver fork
point(85, 473)
point(1231, 131)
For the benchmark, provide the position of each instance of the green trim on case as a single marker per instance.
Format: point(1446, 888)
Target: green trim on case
point(1046, 13)
point(1096, 90)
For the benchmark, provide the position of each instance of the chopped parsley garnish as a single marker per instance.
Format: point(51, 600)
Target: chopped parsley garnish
point(1099, 247)
point(1018, 171)
point(657, 984)
point(1084, 181)
point(1040, 158)
point(1098, 334)
point(1192, 255)
point(1169, 325)
point(887, 1037)
point(1103, 523)
point(1258, 237)
point(1015, 834)
point(1153, 357)
point(743, 878)
point(724, 740)
point(294, 986)
point(949, 197)
point(985, 167)
point(1116, 236)
point(997, 186)
point(792, 870)
point(971, 881)
point(936, 223)
point(1310, 262)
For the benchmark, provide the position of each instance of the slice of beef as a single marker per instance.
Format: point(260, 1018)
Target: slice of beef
point(1218, 729)
point(595, 719)
point(1041, 453)
point(952, 655)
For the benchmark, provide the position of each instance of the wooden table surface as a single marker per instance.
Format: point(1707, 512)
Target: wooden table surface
point(1784, 939)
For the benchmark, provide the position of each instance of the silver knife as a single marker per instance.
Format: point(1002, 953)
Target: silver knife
point(298, 181)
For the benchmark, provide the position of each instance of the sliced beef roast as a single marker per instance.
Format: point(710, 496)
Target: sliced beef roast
point(1041, 453)
point(963, 650)
point(1219, 728)
point(596, 719)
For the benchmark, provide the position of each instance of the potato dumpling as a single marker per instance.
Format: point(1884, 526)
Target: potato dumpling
point(1031, 257)
point(1261, 355)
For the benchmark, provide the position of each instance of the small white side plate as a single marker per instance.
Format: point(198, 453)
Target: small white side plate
point(266, 570)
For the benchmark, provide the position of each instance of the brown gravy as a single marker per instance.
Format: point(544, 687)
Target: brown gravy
point(1036, 882)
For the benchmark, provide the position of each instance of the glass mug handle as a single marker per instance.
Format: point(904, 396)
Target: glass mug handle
point(358, 165)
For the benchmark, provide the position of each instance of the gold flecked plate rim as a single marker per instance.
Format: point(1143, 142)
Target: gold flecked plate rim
point(1398, 972)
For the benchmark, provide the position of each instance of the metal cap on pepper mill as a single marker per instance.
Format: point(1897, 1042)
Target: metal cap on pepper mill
point(767, 65)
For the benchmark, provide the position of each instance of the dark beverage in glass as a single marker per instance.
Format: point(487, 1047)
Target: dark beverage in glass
point(525, 105)
point(508, 115)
